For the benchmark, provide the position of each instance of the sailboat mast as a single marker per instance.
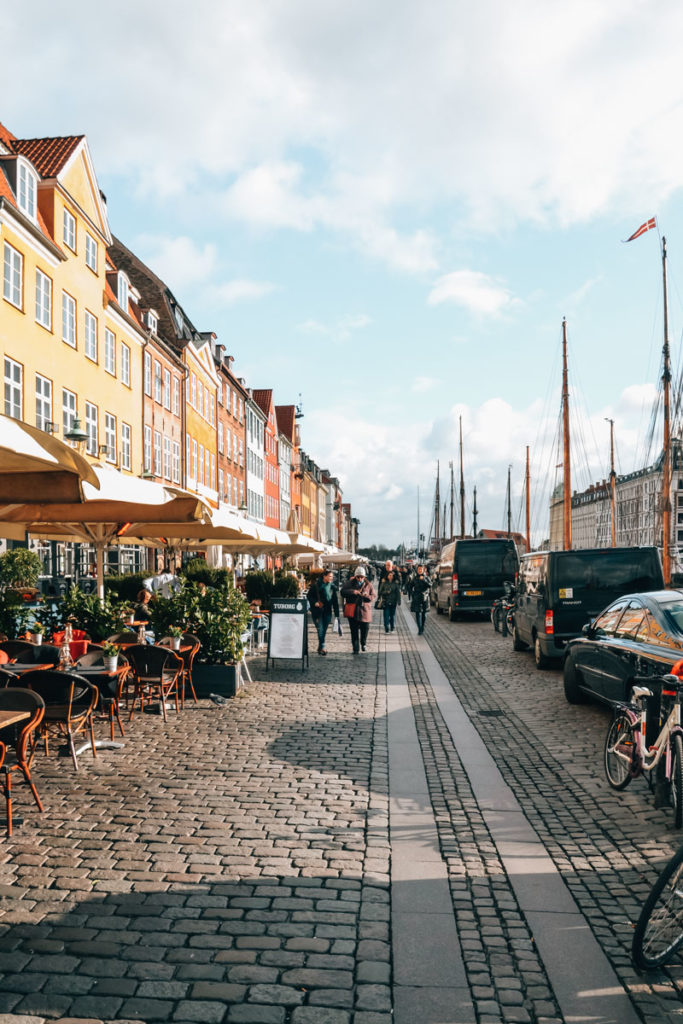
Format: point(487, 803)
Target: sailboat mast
point(567, 507)
point(508, 502)
point(612, 483)
point(666, 475)
point(474, 514)
point(417, 542)
point(528, 502)
point(452, 533)
point(437, 510)
point(462, 488)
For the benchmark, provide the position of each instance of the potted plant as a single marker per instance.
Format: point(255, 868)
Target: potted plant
point(110, 656)
point(37, 632)
point(176, 635)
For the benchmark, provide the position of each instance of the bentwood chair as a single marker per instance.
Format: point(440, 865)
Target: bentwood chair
point(19, 699)
point(155, 672)
point(70, 701)
point(110, 687)
point(191, 645)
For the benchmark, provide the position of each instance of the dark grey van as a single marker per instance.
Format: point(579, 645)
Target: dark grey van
point(558, 592)
point(472, 573)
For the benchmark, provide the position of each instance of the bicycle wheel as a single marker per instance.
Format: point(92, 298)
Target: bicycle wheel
point(658, 934)
point(620, 747)
point(495, 617)
point(677, 778)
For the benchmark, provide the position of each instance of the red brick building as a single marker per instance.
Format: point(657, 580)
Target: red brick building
point(271, 479)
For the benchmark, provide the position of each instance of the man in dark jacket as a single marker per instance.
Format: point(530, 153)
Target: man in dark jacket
point(419, 597)
point(323, 602)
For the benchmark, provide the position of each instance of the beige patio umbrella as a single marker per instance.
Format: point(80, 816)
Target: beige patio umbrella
point(105, 511)
point(33, 462)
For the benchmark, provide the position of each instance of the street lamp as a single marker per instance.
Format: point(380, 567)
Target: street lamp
point(76, 434)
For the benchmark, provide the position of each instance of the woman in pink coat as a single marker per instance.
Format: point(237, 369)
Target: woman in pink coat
point(359, 597)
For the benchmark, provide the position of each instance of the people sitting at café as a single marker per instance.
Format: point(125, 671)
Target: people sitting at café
point(142, 610)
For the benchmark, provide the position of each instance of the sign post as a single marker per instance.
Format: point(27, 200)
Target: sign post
point(288, 633)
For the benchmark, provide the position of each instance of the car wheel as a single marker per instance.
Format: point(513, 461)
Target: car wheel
point(517, 642)
point(572, 683)
point(439, 609)
point(542, 661)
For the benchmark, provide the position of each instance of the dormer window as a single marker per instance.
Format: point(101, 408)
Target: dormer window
point(27, 186)
point(122, 284)
point(179, 320)
point(152, 322)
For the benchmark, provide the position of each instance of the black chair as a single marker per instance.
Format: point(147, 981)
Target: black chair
point(127, 637)
point(6, 678)
point(18, 650)
point(70, 701)
point(19, 699)
point(110, 689)
point(155, 672)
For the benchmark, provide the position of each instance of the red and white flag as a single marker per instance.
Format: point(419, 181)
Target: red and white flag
point(647, 226)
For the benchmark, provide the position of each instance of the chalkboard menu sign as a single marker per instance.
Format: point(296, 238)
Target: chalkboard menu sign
point(288, 633)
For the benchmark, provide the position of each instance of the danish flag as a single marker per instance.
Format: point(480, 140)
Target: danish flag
point(647, 226)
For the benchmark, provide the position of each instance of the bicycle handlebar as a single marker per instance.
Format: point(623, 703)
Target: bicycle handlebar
point(667, 678)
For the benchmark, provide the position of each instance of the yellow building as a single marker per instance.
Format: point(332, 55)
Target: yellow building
point(200, 418)
point(69, 342)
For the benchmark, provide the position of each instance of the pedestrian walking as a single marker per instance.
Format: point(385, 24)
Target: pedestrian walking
point(324, 605)
point(388, 598)
point(359, 595)
point(419, 597)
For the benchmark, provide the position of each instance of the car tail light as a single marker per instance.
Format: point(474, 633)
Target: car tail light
point(549, 622)
point(455, 583)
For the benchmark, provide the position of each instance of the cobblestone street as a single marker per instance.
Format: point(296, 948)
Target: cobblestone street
point(339, 847)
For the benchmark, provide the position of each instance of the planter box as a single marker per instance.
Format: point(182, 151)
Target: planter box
point(225, 680)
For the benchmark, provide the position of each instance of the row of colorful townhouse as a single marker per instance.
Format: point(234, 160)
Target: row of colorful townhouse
point(95, 345)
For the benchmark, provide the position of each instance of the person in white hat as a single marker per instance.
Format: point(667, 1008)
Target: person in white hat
point(359, 596)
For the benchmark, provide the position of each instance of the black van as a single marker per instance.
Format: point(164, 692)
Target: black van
point(558, 592)
point(472, 573)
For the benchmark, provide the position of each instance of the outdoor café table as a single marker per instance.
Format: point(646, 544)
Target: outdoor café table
point(12, 717)
point(17, 668)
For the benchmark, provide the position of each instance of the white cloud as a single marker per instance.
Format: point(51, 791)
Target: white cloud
point(237, 291)
point(474, 291)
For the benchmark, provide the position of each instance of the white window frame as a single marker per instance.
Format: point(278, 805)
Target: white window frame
point(220, 437)
point(220, 485)
point(157, 381)
point(110, 436)
point(110, 351)
point(69, 229)
point(27, 190)
point(90, 336)
point(176, 396)
point(14, 389)
point(91, 252)
point(69, 407)
point(122, 291)
point(125, 364)
point(167, 458)
point(167, 388)
point(175, 459)
point(13, 275)
point(157, 453)
point(126, 433)
point(147, 382)
point(147, 450)
point(200, 465)
point(43, 299)
point(43, 402)
point(200, 397)
point(194, 459)
point(91, 428)
point(213, 469)
point(68, 319)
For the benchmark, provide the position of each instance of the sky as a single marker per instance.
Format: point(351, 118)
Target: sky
point(385, 209)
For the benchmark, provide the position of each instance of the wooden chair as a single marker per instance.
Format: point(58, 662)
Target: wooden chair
point(192, 644)
point(70, 701)
point(155, 672)
point(19, 699)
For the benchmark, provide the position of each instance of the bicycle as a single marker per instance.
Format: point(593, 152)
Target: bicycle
point(501, 611)
point(627, 754)
point(658, 933)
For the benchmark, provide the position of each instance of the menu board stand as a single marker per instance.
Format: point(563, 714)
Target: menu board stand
point(288, 632)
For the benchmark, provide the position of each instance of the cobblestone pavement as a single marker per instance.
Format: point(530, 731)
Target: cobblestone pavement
point(233, 865)
point(607, 846)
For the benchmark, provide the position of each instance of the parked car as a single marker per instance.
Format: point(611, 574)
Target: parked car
point(472, 573)
point(558, 592)
point(639, 634)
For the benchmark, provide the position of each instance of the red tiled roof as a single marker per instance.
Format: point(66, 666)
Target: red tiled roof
point(264, 399)
point(48, 156)
point(6, 136)
point(7, 193)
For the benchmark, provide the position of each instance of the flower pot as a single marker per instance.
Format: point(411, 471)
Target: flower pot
point(110, 664)
point(36, 638)
point(225, 680)
point(176, 642)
